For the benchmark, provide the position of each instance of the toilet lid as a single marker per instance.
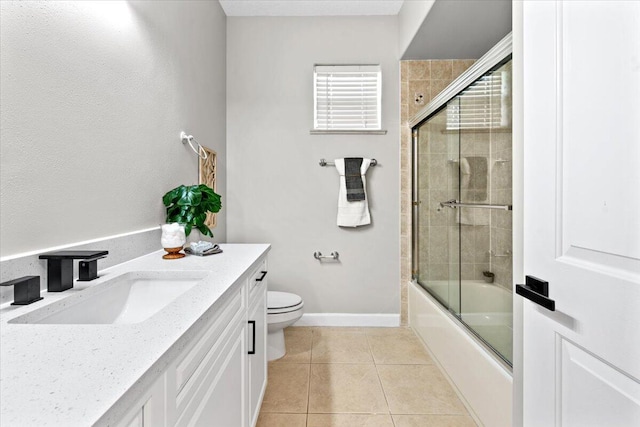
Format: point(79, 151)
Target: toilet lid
point(277, 301)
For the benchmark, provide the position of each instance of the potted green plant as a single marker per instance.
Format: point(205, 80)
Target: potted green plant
point(189, 205)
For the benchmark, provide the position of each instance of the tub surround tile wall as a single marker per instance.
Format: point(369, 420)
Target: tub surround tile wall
point(492, 229)
point(501, 193)
point(421, 81)
point(385, 378)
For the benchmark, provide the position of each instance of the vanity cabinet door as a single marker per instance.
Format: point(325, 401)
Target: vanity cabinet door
point(257, 352)
point(138, 420)
point(219, 401)
point(150, 411)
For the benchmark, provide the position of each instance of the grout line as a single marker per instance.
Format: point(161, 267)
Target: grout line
point(376, 365)
point(309, 381)
point(308, 390)
point(384, 394)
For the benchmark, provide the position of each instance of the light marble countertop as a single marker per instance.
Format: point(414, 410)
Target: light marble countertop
point(81, 375)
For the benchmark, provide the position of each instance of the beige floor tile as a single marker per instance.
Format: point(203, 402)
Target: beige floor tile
point(298, 344)
point(433, 421)
point(340, 347)
point(302, 329)
point(282, 420)
point(287, 388)
point(388, 331)
point(333, 329)
point(402, 348)
point(340, 388)
point(418, 389)
point(349, 420)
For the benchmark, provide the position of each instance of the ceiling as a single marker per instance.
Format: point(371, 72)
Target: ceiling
point(461, 29)
point(310, 7)
point(453, 29)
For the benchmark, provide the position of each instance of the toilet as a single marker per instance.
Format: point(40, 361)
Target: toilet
point(283, 309)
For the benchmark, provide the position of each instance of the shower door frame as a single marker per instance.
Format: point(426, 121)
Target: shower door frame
point(494, 58)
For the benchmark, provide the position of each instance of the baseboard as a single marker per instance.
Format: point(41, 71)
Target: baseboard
point(348, 319)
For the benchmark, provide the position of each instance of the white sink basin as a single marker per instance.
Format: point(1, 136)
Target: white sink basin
point(129, 298)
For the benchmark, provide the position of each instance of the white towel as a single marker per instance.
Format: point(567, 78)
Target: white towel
point(356, 213)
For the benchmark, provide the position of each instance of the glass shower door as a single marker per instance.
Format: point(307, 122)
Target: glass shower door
point(438, 235)
point(463, 218)
point(485, 232)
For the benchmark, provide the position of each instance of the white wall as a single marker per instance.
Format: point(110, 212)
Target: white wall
point(279, 194)
point(410, 18)
point(93, 98)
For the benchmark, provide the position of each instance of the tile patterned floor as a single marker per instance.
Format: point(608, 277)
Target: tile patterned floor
point(358, 377)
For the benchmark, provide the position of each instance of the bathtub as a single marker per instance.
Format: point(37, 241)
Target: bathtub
point(482, 379)
point(485, 308)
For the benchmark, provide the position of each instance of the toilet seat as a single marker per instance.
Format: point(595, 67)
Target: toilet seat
point(283, 302)
point(283, 310)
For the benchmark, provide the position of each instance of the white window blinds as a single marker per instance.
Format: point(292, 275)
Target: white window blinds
point(483, 105)
point(347, 97)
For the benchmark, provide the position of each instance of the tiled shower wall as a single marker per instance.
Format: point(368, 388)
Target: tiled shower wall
point(482, 230)
point(420, 82)
point(501, 193)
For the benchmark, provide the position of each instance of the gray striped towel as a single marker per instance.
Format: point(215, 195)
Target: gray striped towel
point(353, 178)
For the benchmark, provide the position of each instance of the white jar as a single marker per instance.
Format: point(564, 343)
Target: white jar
point(173, 236)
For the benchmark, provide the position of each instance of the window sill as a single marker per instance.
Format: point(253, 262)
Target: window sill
point(347, 132)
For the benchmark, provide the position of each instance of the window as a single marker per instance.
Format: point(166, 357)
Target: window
point(347, 98)
point(483, 105)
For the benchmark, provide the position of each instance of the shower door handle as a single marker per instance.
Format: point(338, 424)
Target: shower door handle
point(536, 290)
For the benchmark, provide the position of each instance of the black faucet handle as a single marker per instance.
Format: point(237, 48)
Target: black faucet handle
point(88, 268)
point(60, 267)
point(26, 290)
point(74, 255)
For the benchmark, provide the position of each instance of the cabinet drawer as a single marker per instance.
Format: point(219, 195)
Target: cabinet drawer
point(218, 397)
point(258, 279)
point(229, 315)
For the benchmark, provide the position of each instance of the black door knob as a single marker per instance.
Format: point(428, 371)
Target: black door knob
point(536, 290)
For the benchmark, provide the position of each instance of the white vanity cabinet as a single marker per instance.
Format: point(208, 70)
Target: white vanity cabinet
point(257, 329)
point(188, 364)
point(150, 410)
point(220, 392)
point(220, 377)
point(207, 381)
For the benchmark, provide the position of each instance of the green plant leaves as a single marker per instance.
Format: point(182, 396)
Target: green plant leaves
point(205, 230)
point(189, 206)
point(171, 196)
point(189, 196)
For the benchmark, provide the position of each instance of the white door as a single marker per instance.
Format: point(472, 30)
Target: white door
point(257, 357)
point(581, 362)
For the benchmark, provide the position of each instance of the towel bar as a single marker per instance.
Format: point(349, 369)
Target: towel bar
point(200, 151)
point(318, 255)
point(453, 203)
point(323, 163)
point(505, 254)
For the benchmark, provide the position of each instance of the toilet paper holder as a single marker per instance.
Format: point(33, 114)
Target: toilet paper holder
point(318, 255)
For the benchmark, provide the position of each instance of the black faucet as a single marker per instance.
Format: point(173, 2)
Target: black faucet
point(60, 268)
